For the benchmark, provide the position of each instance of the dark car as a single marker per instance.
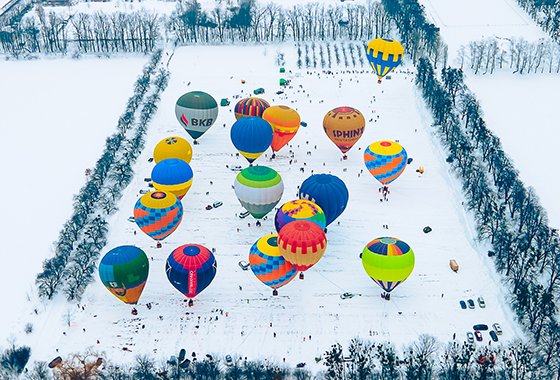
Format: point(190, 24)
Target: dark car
point(346, 295)
point(300, 365)
point(481, 327)
point(478, 335)
point(208, 207)
point(493, 335)
point(470, 302)
point(244, 265)
point(229, 360)
point(463, 304)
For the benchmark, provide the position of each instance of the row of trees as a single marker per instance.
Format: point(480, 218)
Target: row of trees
point(330, 54)
point(546, 13)
point(515, 54)
point(82, 33)
point(85, 233)
point(525, 249)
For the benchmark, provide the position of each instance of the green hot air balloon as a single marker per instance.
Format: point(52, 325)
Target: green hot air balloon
point(259, 189)
point(388, 261)
point(197, 112)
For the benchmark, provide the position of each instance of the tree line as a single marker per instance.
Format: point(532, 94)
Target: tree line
point(546, 13)
point(514, 54)
point(84, 235)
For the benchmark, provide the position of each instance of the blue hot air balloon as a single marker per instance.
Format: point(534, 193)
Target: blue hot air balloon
point(328, 191)
point(251, 136)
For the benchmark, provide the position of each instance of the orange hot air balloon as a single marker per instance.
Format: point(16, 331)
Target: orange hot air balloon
point(285, 123)
point(302, 243)
point(344, 126)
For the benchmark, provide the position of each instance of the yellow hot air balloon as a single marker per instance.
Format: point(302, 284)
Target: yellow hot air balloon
point(344, 126)
point(384, 55)
point(173, 147)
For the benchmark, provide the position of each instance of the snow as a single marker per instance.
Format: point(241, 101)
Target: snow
point(310, 307)
point(462, 21)
point(55, 116)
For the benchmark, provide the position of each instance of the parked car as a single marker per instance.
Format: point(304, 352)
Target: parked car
point(481, 302)
point(259, 91)
point(481, 327)
point(497, 328)
point(280, 92)
point(147, 179)
point(144, 191)
point(217, 204)
point(463, 304)
point(347, 295)
point(236, 168)
point(478, 335)
point(208, 207)
point(470, 302)
point(150, 159)
point(229, 360)
point(243, 265)
point(300, 365)
point(244, 214)
point(493, 335)
point(131, 219)
point(470, 337)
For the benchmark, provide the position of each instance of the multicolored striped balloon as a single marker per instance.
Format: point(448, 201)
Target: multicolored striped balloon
point(250, 107)
point(299, 209)
point(302, 243)
point(158, 214)
point(388, 261)
point(124, 271)
point(258, 189)
point(267, 263)
point(173, 175)
point(385, 160)
point(190, 269)
point(251, 136)
point(285, 122)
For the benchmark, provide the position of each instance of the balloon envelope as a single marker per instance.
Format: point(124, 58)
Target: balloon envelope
point(251, 136)
point(299, 209)
point(302, 243)
point(344, 126)
point(327, 191)
point(190, 268)
point(172, 175)
point(267, 263)
point(385, 160)
point(173, 147)
point(124, 271)
point(197, 112)
point(384, 55)
point(388, 261)
point(285, 122)
point(250, 107)
point(258, 189)
point(158, 214)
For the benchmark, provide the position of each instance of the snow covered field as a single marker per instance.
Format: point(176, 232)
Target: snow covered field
point(521, 109)
point(428, 302)
point(54, 118)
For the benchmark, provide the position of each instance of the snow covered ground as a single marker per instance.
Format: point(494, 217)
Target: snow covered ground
point(54, 118)
point(428, 302)
point(521, 109)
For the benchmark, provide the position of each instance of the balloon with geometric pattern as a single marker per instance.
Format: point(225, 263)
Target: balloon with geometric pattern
point(388, 261)
point(384, 55)
point(258, 189)
point(299, 209)
point(190, 268)
point(173, 147)
point(302, 243)
point(268, 265)
point(250, 107)
point(172, 175)
point(124, 271)
point(385, 160)
point(158, 214)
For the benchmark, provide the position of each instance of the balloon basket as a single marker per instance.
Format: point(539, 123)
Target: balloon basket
point(273, 155)
point(190, 303)
point(275, 292)
point(345, 157)
point(379, 81)
point(301, 276)
point(158, 245)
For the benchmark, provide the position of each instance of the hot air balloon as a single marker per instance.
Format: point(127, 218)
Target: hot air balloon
point(172, 175)
point(158, 214)
point(385, 160)
point(173, 147)
point(259, 189)
point(268, 265)
point(384, 55)
point(388, 261)
point(124, 271)
point(299, 209)
point(328, 192)
point(190, 268)
point(285, 122)
point(302, 243)
point(250, 107)
point(344, 126)
point(251, 136)
point(196, 111)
